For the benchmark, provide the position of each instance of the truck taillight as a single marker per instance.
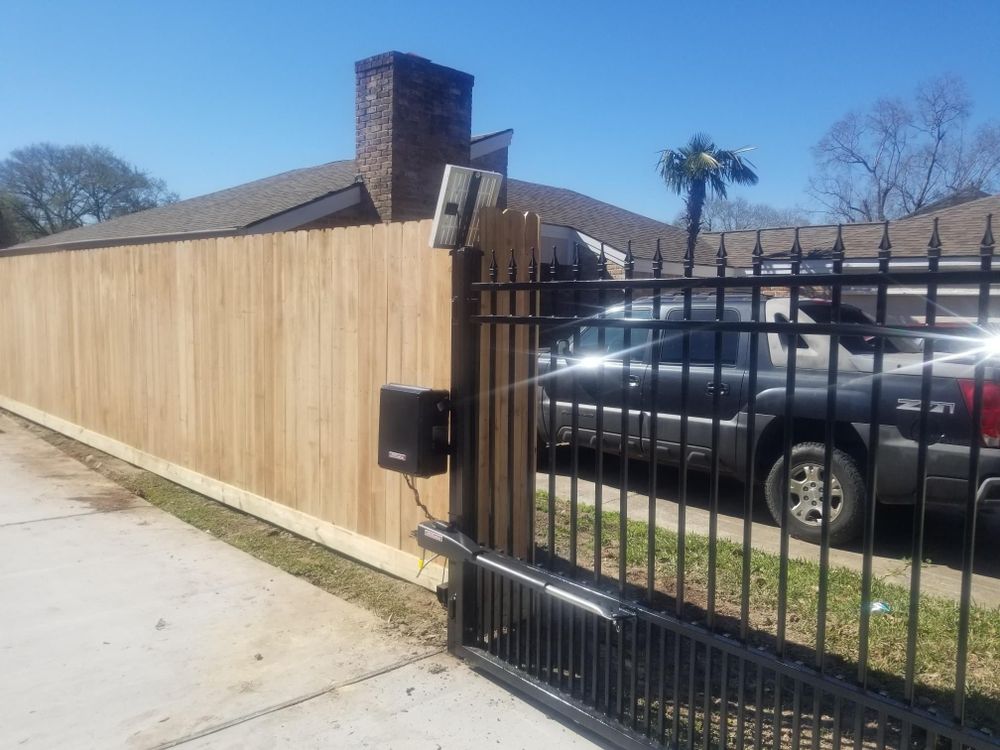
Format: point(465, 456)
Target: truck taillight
point(989, 422)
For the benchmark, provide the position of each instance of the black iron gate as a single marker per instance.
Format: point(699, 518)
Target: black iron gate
point(651, 634)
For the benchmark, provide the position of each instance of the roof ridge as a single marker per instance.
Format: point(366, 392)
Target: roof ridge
point(790, 227)
point(965, 205)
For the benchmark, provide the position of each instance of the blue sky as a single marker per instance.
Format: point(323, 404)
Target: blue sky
point(211, 94)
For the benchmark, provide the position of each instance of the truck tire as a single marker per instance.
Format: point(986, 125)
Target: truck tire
point(805, 494)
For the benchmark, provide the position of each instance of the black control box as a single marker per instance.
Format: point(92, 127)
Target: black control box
point(413, 430)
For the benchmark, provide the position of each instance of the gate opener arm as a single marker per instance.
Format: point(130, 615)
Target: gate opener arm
point(445, 540)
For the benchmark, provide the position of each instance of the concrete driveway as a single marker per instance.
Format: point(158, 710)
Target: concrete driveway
point(122, 626)
point(940, 576)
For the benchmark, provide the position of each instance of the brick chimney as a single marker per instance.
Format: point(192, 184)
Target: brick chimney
point(412, 117)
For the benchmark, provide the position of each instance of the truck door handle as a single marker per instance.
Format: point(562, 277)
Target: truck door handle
point(712, 388)
point(633, 381)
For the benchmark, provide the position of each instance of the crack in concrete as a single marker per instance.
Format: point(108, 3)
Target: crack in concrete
point(296, 701)
point(72, 515)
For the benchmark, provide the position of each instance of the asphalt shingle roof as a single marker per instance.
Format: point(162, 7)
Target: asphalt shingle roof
point(960, 227)
point(240, 207)
point(603, 221)
point(227, 210)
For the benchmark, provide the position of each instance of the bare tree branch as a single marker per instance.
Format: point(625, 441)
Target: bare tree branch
point(729, 215)
point(895, 158)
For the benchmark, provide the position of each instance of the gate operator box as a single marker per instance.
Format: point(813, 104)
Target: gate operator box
point(413, 430)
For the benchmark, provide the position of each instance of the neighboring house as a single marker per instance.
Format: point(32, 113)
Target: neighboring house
point(412, 118)
point(961, 224)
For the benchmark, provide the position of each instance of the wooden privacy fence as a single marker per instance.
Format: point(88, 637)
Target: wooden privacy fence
point(247, 368)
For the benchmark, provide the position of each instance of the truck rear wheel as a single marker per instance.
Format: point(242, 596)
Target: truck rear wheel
point(804, 494)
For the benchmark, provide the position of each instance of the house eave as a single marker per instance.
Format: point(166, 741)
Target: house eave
point(306, 213)
point(141, 239)
point(488, 145)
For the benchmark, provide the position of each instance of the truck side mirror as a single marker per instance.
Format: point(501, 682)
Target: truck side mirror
point(562, 347)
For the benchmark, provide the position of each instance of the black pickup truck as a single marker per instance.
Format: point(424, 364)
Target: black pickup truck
point(596, 374)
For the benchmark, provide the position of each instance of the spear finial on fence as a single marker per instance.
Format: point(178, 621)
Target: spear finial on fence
point(512, 267)
point(493, 266)
point(796, 251)
point(532, 267)
point(934, 246)
point(721, 255)
point(757, 255)
point(657, 260)
point(554, 266)
point(838, 244)
point(884, 246)
point(986, 246)
point(576, 260)
point(602, 262)
point(629, 261)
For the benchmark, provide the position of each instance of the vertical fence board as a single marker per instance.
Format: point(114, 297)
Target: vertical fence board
point(371, 277)
point(399, 272)
point(327, 345)
point(308, 393)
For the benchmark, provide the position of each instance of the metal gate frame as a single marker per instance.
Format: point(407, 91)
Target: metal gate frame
point(604, 655)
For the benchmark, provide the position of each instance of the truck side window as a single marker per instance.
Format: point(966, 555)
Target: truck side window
point(702, 343)
point(822, 312)
point(614, 342)
point(800, 343)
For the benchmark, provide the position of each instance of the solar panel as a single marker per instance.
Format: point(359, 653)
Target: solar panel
point(464, 192)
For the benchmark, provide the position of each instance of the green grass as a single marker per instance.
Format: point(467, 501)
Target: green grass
point(937, 621)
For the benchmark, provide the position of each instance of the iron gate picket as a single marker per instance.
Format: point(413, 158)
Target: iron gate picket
point(639, 657)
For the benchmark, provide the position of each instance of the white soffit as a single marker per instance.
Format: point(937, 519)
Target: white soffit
point(308, 212)
point(486, 146)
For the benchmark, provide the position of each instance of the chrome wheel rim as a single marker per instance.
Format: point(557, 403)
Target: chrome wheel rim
point(805, 494)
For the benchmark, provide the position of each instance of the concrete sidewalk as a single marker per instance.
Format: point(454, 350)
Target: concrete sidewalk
point(122, 626)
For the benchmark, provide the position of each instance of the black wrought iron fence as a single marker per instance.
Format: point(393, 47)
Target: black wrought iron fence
point(632, 611)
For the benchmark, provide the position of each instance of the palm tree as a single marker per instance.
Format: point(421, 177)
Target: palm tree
point(699, 166)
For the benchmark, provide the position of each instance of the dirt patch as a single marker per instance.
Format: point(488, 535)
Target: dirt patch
point(109, 500)
point(406, 610)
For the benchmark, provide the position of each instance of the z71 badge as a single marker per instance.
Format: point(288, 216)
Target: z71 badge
point(935, 407)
